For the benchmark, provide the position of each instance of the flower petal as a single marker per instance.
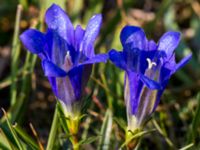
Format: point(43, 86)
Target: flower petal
point(152, 46)
point(117, 58)
point(52, 70)
point(33, 40)
point(58, 48)
point(183, 62)
point(58, 20)
point(165, 74)
point(76, 77)
point(158, 96)
point(96, 59)
point(79, 34)
point(135, 36)
point(151, 84)
point(132, 90)
point(168, 42)
point(65, 92)
point(90, 36)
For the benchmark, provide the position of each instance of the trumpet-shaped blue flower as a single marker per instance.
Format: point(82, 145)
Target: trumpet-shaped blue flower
point(67, 54)
point(148, 67)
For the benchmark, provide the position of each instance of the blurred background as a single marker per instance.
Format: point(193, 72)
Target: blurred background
point(26, 94)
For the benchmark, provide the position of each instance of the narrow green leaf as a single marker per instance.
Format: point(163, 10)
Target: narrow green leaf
point(5, 144)
point(62, 118)
point(24, 136)
point(187, 147)
point(106, 131)
point(53, 131)
point(13, 133)
point(15, 55)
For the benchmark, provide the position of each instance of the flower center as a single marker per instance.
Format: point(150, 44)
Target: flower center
point(67, 62)
point(150, 63)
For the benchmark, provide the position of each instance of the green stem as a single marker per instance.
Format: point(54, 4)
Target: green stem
point(53, 131)
point(132, 143)
point(73, 125)
point(75, 143)
point(15, 55)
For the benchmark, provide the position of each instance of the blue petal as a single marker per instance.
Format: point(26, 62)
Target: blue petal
point(151, 84)
point(96, 59)
point(135, 36)
point(79, 34)
point(52, 81)
point(152, 45)
point(33, 40)
point(90, 36)
point(168, 42)
point(52, 70)
point(58, 47)
point(132, 90)
point(183, 62)
point(58, 20)
point(76, 77)
point(65, 92)
point(117, 58)
point(158, 96)
point(165, 74)
point(132, 58)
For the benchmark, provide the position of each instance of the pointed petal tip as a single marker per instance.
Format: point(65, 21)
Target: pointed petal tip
point(96, 19)
point(91, 33)
point(183, 62)
point(97, 16)
point(54, 7)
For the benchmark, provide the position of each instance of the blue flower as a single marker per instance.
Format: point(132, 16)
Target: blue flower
point(148, 67)
point(67, 54)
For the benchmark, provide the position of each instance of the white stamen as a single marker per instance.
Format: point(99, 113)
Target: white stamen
point(67, 63)
point(68, 54)
point(150, 63)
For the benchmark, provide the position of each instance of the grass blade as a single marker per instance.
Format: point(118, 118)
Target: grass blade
point(15, 55)
point(24, 136)
point(13, 133)
point(106, 131)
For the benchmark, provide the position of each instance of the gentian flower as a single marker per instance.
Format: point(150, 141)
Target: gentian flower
point(148, 67)
point(67, 55)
